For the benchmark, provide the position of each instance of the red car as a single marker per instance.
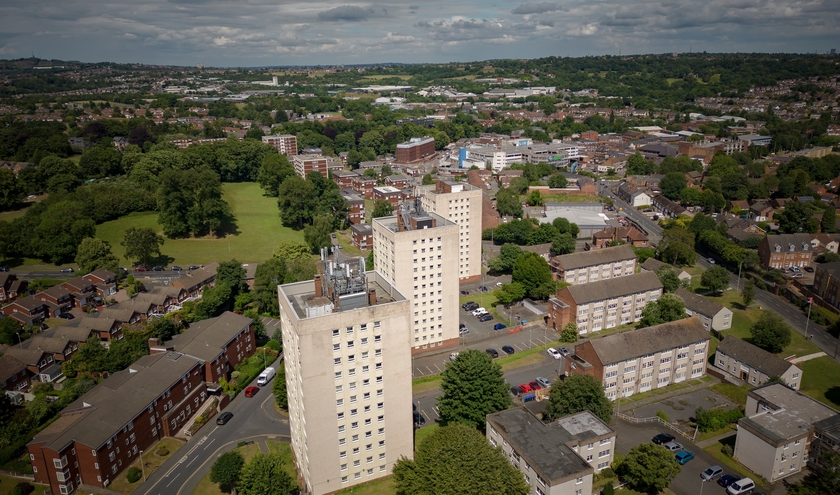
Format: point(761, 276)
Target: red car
point(525, 388)
point(251, 391)
point(535, 385)
point(139, 268)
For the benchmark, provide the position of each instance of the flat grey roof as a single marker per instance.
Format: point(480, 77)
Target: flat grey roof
point(543, 448)
point(791, 413)
point(300, 293)
point(583, 218)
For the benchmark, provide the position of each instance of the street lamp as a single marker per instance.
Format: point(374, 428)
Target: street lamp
point(20, 342)
point(265, 365)
point(702, 482)
point(142, 468)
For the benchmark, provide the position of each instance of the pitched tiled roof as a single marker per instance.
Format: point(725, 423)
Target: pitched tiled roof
point(10, 366)
point(614, 287)
point(699, 304)
point(594, 257)
point(755, 357)
point(205, 339)
point(635, 343)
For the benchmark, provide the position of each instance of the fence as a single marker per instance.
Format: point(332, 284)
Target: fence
point(657, 419)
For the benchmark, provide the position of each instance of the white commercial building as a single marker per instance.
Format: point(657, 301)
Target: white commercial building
point(348, 374)
point(417, 252)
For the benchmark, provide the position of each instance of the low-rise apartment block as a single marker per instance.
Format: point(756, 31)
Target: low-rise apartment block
point(785, 250)
point(713, 315)
point(347, 343)
point(648, 358)
point(362, 236)
point(774, 439)
point(591, 266)
point(753, 364)
point(306, 164)
point(558, 458)
point(605, 304)
point(827, 282)
point(415, 149)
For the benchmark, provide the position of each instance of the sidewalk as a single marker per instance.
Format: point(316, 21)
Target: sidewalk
point(809, 357)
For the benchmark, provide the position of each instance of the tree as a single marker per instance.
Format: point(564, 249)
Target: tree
point(457, 460)
point(164, 328)
point(266, 475)
point(637, 165)
point(669, 307)
point(190, 202)
point(677, 246)
point(141, 244)
point(715, 278)
point(569, 333)
point(275, 168)
point(532, 271)
point(828, 223)
point(232, 274)
point(503, 263)
point(509, 293)
point(825, 478)
point(8, 330)
point(770, 332)
point(296, 202)
point(214, 301)
point(427, 180)
point(649, 468)
point(578, 393)
point(557, 181)
point(291, 250)
point(797, 217)
point(267, 277)
point(227, 469)
point(672, 185)
point(473, 386)
point(382, 208)
point(12, 190)
point(563, 244)
point(748, 293)
point(508, 204)
point(281, 395)
point(317, 234)
point(93, 254)
point(669, 277)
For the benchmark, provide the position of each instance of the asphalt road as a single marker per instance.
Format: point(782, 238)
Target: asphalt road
point(253, 418)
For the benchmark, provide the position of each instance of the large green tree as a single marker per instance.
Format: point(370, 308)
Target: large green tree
point(265, 475)
point(715, 278)
point(268, 276)
point(649, 468)
point(227, 469)
point(59, 231)
point(508, 203)
point(382, 208)
point(473, 386)
point(532, 271)
point(748, 293)
point(670, 278)
point(296, 202)
point(677, 246)
point(8, 330)
point(562, 244)
point(190, 203)
point(278, 388)
point(503, 263)
point(672, 185)
point(12, 190)
point(457, 460)
point(770, 332)
point(275, 168)
point(578, 393)
point(823, 479)
point(317, 234)
point(669, 307)
point(93, 254)
point(142, 244)
point(232, 274)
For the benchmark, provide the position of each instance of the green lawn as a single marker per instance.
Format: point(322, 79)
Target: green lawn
point(821, 380)
point(7, 485)
point(732, 392)
point(730, 464)
point(571, 198)
point(207, 487)
point(384, 486)
point(424, 433)
point(259, 226)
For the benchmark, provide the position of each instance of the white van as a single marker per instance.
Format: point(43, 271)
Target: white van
point(266, 376)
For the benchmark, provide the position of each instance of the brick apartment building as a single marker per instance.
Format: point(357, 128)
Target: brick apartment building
point(591, 266)
point(604, 304)
point(636, 361)
point(285, 144)
point(785, 250)
point(364, 186)
point(356, 205)
point(362, 236)
point(390, 194)
point(827, 282)
point(415, 149)
point(306, 164)
point(344, 178)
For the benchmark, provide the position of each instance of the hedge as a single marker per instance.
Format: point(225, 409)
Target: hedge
point(716, 419)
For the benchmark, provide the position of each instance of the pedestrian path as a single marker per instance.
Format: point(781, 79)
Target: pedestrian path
point(711, 441)
point(802, 359)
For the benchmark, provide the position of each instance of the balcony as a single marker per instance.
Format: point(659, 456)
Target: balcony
point(60, 463)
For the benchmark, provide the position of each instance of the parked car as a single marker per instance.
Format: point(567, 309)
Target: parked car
point(485, 317)
point(139, 268)
point(499, 326)
point(251, 391)
point(493, 353)
point(535, 385)
point(157, 268)
point(554, 353)
point(508, 349)
point(66, 316)
point(683, 457)
point(663, 438)
point(727, 479)
point(176, 268)
point(483, 288)
point(711, 473)
point(192, 267)
point(3, 269)
point(67, 270)
point(479, 311)
point(797, 275)
point(794, 268)
point(224, 418)
point(465, 292)
point(744, 485)
point(809, 269)
point(711, 260)
point(564, 351)
point(514, 391)
point(453, 356)
point(469, 304)
point(419, 420)
point(673, 446)
point(543, 381)
point(463, 330)
point(525, 388)
point(499, 284)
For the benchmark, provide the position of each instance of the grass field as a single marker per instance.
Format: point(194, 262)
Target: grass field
point(821, 380)
point(729, 464)
point(8, 216)
point(379, 487)
point(7, 485)
point(151, 462)
point(571, 198)
point(207, 487)
point(259, 231)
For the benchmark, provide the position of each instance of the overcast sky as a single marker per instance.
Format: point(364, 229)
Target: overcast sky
point(282, 32)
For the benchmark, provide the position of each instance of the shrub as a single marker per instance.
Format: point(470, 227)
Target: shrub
point(716, 419)
point(23, 488)
point(133, 475)
point(274, 345)
point(727, 450)
point(662, 415)
point(162, 451)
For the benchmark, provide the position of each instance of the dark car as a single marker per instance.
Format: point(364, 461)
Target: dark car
point(727, 479)
point(157, 268)
point(485, 317)
point(508, 349)
point(493, 353)
point(224, 418)
point(465, 292)
point(67, 270)
point(809, 269)
point(66, 316)
point(469, 306)
point(514, 391)
point(176, 268)
point(483, 288)
point(3, 269)
point(193, 267)
point(499, 326)
point(662, 439)
point(419, 420)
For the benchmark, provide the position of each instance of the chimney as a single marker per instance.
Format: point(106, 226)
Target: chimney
point(318, 290)
point(400, 222)
point(372, 297)
point(154, 342)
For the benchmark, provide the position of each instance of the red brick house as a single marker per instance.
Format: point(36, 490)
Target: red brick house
point(344, 178)
point(194, 281)
point(362, 236)
point(105, 281)
point(57, 298)
point(364, 186)
point(14, 375)
point(83, 291)
point(628, 235)
point(27, 310)
point(785, 250)
point(10, 287)
point(356, 203)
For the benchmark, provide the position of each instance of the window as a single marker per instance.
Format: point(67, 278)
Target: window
point(604, 453)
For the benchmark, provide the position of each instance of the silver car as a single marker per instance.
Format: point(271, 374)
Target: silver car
point(544, 383)
point(673, 446)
